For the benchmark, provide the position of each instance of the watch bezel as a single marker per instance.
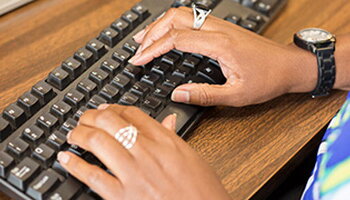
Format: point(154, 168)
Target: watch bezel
point(312, 46)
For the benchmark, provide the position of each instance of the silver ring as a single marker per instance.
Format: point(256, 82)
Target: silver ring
point(199, 16)
point(127, 136)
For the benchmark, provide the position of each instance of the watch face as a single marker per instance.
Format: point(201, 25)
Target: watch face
point(314, 35)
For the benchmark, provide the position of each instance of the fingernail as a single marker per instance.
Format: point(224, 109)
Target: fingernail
point(138, 35)
point(102, 106)
point(69, 135)
point(134, 59)
point(174, 120)
point(180, 96)
point(63, 157)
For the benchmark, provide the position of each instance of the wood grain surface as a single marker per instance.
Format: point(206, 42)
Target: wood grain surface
point(252, 148)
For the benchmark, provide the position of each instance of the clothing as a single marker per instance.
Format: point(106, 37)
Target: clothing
point(330, 178)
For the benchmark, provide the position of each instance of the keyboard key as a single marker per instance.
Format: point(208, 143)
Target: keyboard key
point(29, 103)
point(95, 101)
point(182, 72)
point(129, 99)
point(79, 113)
point(109, 37)
point(132, 18)
point(152, 103)
point(77, 150)
point(47, 122)
point(110, 66)
point(179, 3)
point(73, 67)
point(266, 6)
point(121, 81)
point(42, 185)
point(233, 18)
point(256, 18)
point(172, 81)
point(185, 113)
point(44, 92)
point(57, 167)
point(5, 129)
point(15, 115)
point(6, 163)
point(141, 11)
point(196, 79)
point(85, 57)
point(170, 58)
point(110, 93)
point(122, 26)
point(191, 61)
point(97, 48)
point(57, 140)
point(249, 3)
point(121, 56)
point(151, 79)
point(23, 173)
point(161, 68)
point(99, 76)
point(162, 91)
point(249, 25)
point(140, 88)
point(18, 147)
point(87, 87)
point(33, 134)
point(59, 78)
point(85, 196)
point(207, 4)
point(44, 154)
point(133, 72)
point(61, 110)
point(131, 46)
point(211, 73)
point(67, 190)
point(74, 98)
point(68, 125)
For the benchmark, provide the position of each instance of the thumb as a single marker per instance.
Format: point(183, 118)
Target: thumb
point(202, 94)
point(170, 122)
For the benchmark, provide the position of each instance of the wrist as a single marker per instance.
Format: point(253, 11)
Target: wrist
point(302, 70)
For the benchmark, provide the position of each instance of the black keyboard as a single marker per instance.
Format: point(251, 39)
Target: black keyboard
point(33, 129)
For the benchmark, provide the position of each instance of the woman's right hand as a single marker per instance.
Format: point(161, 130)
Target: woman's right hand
point(257, 69)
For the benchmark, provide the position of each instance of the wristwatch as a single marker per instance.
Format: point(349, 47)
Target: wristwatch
point(322, 44)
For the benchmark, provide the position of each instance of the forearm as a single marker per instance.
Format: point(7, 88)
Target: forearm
point(304, 69)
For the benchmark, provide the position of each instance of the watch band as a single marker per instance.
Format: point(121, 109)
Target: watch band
point(326, 71)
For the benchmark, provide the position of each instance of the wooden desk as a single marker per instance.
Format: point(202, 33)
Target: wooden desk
point(252, 148)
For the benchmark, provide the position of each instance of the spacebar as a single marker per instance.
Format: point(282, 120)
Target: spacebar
point(185, 115)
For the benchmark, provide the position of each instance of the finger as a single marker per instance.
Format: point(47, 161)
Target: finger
point(203, 94)
point(107, 186)
point(142, 122)
point(201, 42)
point(170, 122)
point(103, 146)
point(176, 18)
point(104, 119)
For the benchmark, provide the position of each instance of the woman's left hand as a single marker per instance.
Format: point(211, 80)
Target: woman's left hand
point(160, 165)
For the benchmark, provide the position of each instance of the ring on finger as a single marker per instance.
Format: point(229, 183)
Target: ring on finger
point(127, 136)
